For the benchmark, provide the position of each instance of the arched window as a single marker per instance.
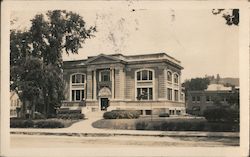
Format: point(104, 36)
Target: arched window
point(169, 76)
point(176, 78)
point(77, 87)
point(144, 84)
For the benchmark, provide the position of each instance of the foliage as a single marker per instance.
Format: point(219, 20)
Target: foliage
point(20, 123)
point(231, 18)
point(69, 111)
point(121, 114)
point(222, 115)
point(71, 116)
point(163, 115)
point(36, 57)
point(196, 84)
point(49, 124)
point(187, 126)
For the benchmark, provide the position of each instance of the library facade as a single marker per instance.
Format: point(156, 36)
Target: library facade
point(149, 83)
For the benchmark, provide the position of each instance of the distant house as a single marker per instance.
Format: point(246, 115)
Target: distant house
point(216, 95)
point(15, 105)
point(149, 83)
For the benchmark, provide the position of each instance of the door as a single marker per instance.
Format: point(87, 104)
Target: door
point(104, 104)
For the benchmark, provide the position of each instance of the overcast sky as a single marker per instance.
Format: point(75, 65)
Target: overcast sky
point(200, 40)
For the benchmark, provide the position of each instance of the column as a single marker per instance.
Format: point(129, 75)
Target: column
point(113, 82)
point(89, 84)
point(94, 85)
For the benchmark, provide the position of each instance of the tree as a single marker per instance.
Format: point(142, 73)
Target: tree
point(231, 18)
point(36, 57)
point(196, 84)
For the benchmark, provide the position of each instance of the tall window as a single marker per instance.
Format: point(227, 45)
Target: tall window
point(105, 75)
point(169, 76)
point(169, 93)
point(144, 84)
point(144, 93)
point(77, 87)
point(144, 75)
point(176, 78)
point(176, 95)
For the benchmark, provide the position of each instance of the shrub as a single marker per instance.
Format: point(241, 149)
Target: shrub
point(69, 112)
point(221, 115)
point(49, 124)
point(163, 115)
point(121, 114)
point(39, 115)
point(141, 126)
point(20, 123)
point(187, 126)
point(71, 116)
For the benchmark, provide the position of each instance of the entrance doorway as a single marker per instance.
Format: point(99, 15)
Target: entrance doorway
point(104, 104)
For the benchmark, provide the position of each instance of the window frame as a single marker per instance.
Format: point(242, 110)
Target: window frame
point(101, 76)
point(77, 86)
point(141, 76)
point(171, 76)
point(174, 78)
point(139, 83)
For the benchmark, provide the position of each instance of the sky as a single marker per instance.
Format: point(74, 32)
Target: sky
point(200, 40)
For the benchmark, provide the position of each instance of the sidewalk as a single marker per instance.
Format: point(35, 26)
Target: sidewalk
point(84, 128)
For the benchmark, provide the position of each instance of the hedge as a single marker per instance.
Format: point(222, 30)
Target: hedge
point(71, 116)
point(163, 115)
point(20, 123)
point(222, 115)
point(187, 126)
point(121, 114)
point(69, 112)
point(49, 124)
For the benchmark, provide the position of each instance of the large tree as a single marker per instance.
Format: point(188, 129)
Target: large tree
point(36, 57)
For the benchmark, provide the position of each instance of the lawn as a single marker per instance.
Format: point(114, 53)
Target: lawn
point(166, 124)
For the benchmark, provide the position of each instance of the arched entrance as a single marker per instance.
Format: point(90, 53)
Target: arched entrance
point(104, 95)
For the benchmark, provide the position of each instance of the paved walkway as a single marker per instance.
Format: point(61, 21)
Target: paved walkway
point(85, 128)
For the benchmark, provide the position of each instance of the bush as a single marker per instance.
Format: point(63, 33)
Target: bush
point(163, 115)
point(121, 114)
point(187, 126)
point(20, 123)
point(49, 124)
point(39, 115)
point(221, 115)
point(71, 116)
point(69, 112)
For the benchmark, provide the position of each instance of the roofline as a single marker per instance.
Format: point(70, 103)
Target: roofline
point(161, 53)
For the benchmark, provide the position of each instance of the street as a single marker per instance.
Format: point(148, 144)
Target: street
point(43, 141)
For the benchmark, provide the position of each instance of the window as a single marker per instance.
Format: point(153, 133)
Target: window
point(105, 75)
point(176, 78)
point(176, 95)
point(208, 98)
point(77, 87)
point(144, 75)
point(77, 79)
point(193, 98)
point(169, 76)
point(169, 93)
point(198, 98)
point(144, 94)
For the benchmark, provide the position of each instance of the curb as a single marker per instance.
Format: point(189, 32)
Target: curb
point(120, 134)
